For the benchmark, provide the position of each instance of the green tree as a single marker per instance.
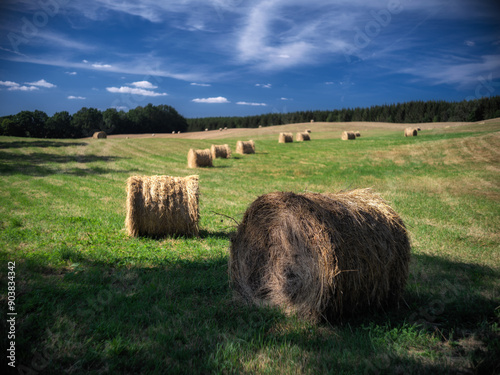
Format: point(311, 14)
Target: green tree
point(87, 121)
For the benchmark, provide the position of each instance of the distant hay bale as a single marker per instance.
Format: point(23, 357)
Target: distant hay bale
point(302, 137)
point(159, 206)
point(411, 132)
point(225, 127)
point(419, 129)
point(320, 255)
point(178, 132)
point(348, 135)
point(260, 126)
point(285, 138)
point(245, 147)
point(173, 132)
point(206, 129)
point(199, 158)
point(357, 134)
point(308, 130)
point(220, 129)
point(100, 135)
point(220, 151)
point(312, 121)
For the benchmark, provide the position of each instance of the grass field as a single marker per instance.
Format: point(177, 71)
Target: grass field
point(91, 300)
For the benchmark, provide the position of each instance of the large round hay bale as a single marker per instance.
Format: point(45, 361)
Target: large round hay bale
point(285, 138)
point(357, 133)
point(320, 255)
point(348, 135)
point(159, 206)
point(411, 132)
point(220, 151)
point(199, 158)
point(100, 135)
point(245, 147)
point(302, 137)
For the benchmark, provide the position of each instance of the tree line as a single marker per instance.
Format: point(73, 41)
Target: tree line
point(165, 119)
point(409, 112)
point(147, 119)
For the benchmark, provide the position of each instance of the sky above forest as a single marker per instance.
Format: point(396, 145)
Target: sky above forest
point(238, 58)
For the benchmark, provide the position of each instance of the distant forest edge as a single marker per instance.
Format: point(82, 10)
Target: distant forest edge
point(165, 119)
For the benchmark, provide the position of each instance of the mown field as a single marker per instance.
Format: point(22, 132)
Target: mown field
point(91, 300)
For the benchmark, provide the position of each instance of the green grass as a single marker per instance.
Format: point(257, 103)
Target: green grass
point(89, 299)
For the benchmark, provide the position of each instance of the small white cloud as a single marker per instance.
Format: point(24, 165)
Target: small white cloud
point(284, 56)
point(286, 99)
point(469, 43)
point(218, 99)
point(264, 85)
point(9, 83)
point(201, 84)
point(120, 108)
point(85, 61)
point(134, 91)
point(144, 85)
point(22, 88)
point(41, 83)
point(71, 73)
point(329, 83)
point(76, 97)
point(253, 104)
point(101, 66)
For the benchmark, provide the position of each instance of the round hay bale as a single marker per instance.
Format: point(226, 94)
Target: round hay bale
point(220, 151)
point(159, 206)
point(100, 135)
point(419, 129)
point(308, 130)
point(199, 158)
point(245, 147)
point(410, 132)
point(320, 255)
point(225, 127)
point(285, 138)
point(220, 129)
point(302, 137)
point(173, 131)
point(348, 135)
point(206, 129)
point(260, 126)
point(178, 132)
point(357, 134)
point(312, 121)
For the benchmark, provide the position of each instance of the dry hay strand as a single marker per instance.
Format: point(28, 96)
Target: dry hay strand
point(285, 138)
point(220, 151)
point(348, 135)
point(159, 206)
point(320, 256)
point(302, 137)
point(357, 134)
point(199, 158)
point(411, 132)
point(245, 147)
point(100, 135)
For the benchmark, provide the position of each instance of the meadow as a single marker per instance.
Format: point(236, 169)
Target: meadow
point(89, 299)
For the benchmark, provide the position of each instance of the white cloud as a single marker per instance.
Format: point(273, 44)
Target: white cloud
point(201, 84)
point(264, 85)
point(101, 66)
point(41, 83)
point(286, 99)
point(85, 61)
point(71, 97)
point(252, 104)
point(134, 91)
point(218, 99)
point(469, 43)
point(144, 85)
point(120, 108)
point(329, 83)
point(72, 73)
point(9, 83)
point(23, 88)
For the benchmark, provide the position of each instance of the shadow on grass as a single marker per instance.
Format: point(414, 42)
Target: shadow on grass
point(179, 317)
point(42, 144)
point(38, 164)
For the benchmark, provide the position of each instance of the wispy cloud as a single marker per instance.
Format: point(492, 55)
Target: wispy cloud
point(134, 91)
point(264, 85)
point(252, 104)
point(71, 97)
point(144, 85)
point(72, 73)
point(218, 99)
point(41, 83)
point(200, 84)
point(102, 66)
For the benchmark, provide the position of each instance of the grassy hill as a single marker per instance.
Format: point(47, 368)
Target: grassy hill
point(89, 299)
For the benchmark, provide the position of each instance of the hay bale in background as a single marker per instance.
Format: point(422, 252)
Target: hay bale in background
point(357, 134)
point(243, 147)
point(302, 137)
point(308, 130)
point(206, 129)
point(320, 255)
point(419, 129)
point(410, 132)
point(312, 121)
point(348, 135)
point(285, 138)
point(100, 135)
point(162, 205)
point(220, 151)
point(199, 158)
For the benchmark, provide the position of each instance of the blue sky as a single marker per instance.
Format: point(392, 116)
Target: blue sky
point(235, 57)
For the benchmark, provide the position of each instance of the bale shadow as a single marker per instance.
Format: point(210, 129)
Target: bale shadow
point(41, 144)
point(180, 317)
